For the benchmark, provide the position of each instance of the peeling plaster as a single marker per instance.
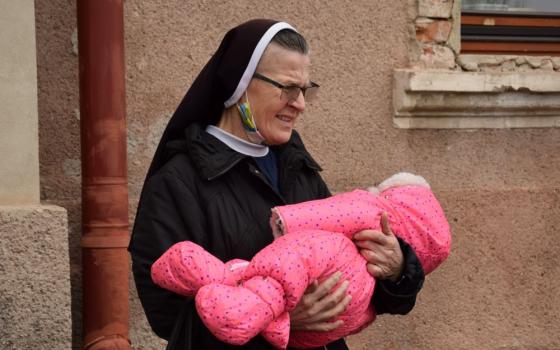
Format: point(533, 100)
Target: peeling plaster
point(438, 56)
point(435, 8)
point(510, 88)
point(507, 63)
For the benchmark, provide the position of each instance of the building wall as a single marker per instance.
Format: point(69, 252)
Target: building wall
point(35, 302)
point(500, 188)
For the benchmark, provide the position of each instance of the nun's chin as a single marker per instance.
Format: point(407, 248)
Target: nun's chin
point(278, 137)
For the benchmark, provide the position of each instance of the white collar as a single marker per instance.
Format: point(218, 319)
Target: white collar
point(236, 143)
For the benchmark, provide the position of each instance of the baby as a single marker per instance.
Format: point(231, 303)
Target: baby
point(238, 299)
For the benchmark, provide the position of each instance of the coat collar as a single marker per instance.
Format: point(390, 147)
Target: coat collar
point(212, 157)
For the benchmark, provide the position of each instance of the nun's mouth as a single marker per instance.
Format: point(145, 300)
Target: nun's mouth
point(285, 118)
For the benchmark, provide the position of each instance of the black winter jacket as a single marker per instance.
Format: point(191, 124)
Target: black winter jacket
point(209, 194)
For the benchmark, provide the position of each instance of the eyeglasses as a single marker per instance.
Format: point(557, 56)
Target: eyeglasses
point(291, 93)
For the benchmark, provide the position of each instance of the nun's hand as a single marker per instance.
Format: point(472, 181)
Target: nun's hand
point(382, 251)
point(319, 305)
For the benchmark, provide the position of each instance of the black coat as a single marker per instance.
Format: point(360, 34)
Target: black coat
point(209, 194)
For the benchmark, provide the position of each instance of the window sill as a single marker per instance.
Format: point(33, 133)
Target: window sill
point(443, 99)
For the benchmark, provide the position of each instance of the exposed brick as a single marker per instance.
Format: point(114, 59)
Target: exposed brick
point(436, 56)
point(434, 31)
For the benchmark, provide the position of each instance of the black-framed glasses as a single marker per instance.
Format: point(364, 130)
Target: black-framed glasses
point(291, 92)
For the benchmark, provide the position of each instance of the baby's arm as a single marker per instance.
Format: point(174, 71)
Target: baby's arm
point(413, 211)
point(345, 213)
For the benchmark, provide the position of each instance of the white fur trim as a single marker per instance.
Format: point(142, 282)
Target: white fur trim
point(402, 179)
point(254, 61)
point(276, 223)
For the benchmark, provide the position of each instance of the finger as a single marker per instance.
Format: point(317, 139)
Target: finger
point(337, 310)
point(321, 290)
point(311, 307)
point(321, 311)
point(369, 245)
point(375, 271)
point(312, 287)
point(308, 299)
point(327, 285)
point(373, 257)
point(377, 237)
point(363, 235)
point(385, 225)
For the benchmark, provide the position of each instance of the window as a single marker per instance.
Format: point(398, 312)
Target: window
point(509, 89)
point(511, 27)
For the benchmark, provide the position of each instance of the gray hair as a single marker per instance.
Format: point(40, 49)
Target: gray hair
point(291, 40)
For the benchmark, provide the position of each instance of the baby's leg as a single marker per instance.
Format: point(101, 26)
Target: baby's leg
point(236, 314)
point(273, 283)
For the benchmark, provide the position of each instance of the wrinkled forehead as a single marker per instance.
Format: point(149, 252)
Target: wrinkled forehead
point(279, 60)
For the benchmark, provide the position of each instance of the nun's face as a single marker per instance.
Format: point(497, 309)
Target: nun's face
point(274, 111)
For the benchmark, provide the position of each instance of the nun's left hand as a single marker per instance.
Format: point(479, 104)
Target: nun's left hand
point(320, 304)
point(382, 251)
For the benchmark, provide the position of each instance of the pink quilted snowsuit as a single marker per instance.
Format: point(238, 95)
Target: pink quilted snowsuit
point(238, 300)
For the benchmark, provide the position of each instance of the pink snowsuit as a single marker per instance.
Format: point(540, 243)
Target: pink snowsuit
point(238, 300)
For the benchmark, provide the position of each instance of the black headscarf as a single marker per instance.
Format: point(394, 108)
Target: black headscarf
point(221, 82)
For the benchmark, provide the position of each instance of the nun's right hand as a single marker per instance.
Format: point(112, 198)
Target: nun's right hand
point(319, 306)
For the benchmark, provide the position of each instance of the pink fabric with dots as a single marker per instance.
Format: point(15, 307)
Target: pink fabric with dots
point(186, 267)
point(414, 215)
point(269, 287)
point(237, 302)
point(297, 260)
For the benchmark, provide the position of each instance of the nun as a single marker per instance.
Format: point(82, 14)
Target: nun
point(227, 156)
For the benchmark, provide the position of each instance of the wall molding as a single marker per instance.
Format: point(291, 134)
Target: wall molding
point(445, 99)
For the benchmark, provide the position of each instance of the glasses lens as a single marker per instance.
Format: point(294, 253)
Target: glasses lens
point(291, 93)
point(311, 93)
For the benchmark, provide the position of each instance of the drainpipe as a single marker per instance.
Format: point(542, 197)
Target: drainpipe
point(105, 260)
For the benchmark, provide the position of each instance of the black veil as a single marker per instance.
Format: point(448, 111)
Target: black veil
point(221, 82)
